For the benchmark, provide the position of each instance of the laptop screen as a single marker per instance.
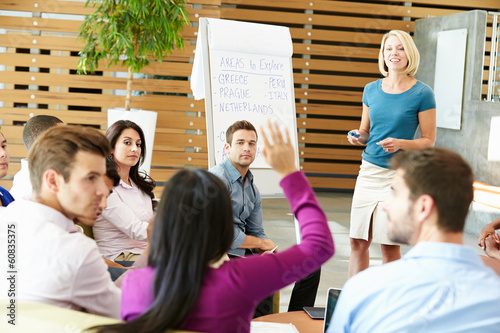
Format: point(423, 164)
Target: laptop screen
point(331, 301)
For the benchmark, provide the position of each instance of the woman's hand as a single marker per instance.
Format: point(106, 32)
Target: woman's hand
point(390, 145)
point(353, 137)
point(278, 151)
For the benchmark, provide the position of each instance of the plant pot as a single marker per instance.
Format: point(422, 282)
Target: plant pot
point(146, 120)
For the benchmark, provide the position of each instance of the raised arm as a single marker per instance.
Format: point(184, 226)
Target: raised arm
point(280, 154)
point(300, 260)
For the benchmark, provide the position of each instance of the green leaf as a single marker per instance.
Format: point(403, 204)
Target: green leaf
point(140, 30)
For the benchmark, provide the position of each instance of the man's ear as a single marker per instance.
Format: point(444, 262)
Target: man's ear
point(424, 207)
point(226, 147)
point(52, 180)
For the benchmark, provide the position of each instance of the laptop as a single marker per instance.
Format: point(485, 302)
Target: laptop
point(326, 314)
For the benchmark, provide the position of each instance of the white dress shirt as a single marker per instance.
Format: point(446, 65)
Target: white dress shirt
point(53, 263)
point(21, 184)
point(123, 225)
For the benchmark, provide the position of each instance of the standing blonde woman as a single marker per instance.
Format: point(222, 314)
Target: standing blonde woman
point(393, 108)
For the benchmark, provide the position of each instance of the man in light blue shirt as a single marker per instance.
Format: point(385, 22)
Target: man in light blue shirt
point(439, 285)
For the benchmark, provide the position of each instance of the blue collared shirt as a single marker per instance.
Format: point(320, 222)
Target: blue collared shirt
point(435, 287)
point(6, 197)
point(246, 201)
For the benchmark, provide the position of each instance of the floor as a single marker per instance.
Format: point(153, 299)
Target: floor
point(279, 226)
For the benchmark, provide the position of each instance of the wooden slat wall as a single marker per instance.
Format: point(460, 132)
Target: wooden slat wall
point(335, 55)
point(41, 53)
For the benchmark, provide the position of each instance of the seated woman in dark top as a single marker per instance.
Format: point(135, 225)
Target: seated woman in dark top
point(5, 197)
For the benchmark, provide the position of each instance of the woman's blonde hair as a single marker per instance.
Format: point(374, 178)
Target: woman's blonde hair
point(410, 50)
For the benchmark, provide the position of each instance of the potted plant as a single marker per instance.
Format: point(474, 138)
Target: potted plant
point(131, 32)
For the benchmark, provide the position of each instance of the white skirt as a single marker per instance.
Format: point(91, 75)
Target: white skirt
point(373, 187)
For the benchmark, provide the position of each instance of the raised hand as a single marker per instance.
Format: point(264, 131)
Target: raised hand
point(278, 151)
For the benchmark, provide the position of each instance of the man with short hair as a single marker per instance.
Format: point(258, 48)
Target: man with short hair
point(56, 264)
point(249, 235)
point(21, 185)
point(241, 149)
point(439, 285)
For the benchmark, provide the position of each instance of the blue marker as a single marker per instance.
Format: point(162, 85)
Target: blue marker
point(353, 134)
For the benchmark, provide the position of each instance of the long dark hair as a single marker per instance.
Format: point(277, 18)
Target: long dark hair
point(193, 228)
point(140, 178)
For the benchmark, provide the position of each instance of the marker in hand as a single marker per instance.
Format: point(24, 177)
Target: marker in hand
point(274, 249)
point(354, 134)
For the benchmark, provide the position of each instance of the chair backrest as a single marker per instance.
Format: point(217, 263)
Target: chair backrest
point(40, 317)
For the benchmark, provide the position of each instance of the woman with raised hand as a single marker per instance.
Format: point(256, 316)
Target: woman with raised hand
point(121, 230)
point(5, 197)
point(194, 228)
point(393, 108)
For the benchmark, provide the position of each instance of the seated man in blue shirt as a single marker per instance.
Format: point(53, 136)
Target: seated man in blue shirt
point(439, 285)
point(249, 236)
point(241, 148)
